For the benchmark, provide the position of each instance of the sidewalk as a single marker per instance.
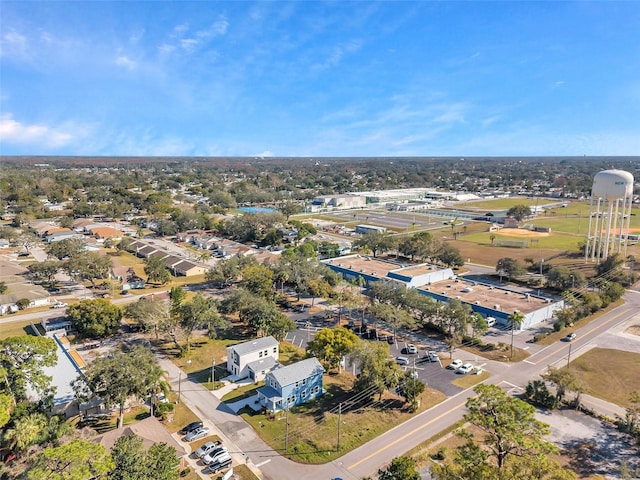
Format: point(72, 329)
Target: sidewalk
point(190, 388)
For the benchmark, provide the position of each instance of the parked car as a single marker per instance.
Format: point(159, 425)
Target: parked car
point(456, 364)
point(491, 321)
point(411, 349)
point(464, 369)
point(214, 455)
point(414, 374)
point(433, 356)
point(197, 433)
point(220, 464)
point(569, 338)
point(190, 428)
point(402, 360)
point(60, 305)
point(207, 448)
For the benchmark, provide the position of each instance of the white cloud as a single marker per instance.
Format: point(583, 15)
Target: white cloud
point(126, 62)
point(266, 153)
point(336, 55)
point(182, 36)
point(13, 43)
point(14, 132)
point(218, 28)
point(189, 44)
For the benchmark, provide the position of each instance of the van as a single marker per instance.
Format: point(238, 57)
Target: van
point(491, 321)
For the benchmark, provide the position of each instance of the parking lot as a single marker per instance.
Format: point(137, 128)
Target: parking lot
point(433, 374)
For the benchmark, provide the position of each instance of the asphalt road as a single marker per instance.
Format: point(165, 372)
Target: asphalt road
point(364, 461)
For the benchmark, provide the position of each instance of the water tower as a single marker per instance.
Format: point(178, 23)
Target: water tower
point(609, 215)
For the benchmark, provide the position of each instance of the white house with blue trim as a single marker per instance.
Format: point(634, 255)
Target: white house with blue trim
point(286, 387)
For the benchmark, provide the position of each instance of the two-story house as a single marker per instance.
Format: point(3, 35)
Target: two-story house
point(292, 385)
point(253, 359)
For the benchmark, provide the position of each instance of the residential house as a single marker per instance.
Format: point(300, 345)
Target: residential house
point(253, 359)
point(292, 385)
point(62, 235)
point(152, 431)
point(103, 233)
point(187, 268)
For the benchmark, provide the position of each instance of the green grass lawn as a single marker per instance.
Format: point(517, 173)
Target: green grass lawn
point(245, 391)
point(608, 374)
point(467, 381)
point(313, 426)
point(15, 329)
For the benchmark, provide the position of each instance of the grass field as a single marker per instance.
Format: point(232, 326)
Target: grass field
point(608, 374)
point(313, 426)
point(15, 329)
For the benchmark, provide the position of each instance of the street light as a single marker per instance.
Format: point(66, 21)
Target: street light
point(213, 373)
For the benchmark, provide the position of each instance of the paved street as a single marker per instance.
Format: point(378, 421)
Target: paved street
point(606, 331)
point(368, 458)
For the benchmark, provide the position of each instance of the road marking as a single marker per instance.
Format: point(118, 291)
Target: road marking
point(530, 363)
point(511, 384)
point(258, 465)
point(612, 319)
point(405, 436)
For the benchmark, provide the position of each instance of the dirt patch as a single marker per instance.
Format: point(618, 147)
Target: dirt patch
point(520, 232)
point(633, 330)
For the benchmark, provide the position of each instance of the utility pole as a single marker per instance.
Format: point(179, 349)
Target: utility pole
point(179, 385)
point(286, 430)
point(569, 357)
point(213, 374)
point(339, 422)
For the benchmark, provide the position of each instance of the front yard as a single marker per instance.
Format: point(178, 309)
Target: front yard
point(312, 435)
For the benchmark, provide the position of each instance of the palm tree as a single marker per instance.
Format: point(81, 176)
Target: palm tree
point(515, 319)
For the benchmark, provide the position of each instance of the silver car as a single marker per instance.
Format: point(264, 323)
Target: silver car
point(197, 433)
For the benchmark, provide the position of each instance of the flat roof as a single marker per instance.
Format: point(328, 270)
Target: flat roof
point(488, 296)
point(414, 271)
point(368, 265)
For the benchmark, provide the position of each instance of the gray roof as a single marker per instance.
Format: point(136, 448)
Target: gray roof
point(270, 393)
point(297, 371)
point(265, 363)
point(254, 345)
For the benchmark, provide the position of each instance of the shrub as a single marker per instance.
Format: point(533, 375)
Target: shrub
point(163, 408)
point(559, 325)
point(23, 303)
point(440, 454)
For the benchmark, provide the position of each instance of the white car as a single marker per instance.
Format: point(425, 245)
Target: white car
point(215, 455)
point(464, 369)
point(433, 356)
point(411, 348)
point(221, 463)
point(60, 305)
point(457, 363)
point(491, 321)
point(402, 360)
point(206, 449)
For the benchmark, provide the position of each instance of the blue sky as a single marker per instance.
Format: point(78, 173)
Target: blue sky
point(311, 78)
